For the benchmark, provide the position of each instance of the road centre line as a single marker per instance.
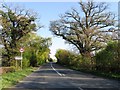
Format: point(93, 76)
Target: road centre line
point(56, 70)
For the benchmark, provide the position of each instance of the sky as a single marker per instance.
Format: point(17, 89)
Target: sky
point(48, 11)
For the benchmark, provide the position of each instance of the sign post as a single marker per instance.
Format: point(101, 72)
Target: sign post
point(21, 50)
point(18, 58)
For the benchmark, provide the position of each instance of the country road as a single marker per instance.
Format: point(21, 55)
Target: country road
point(54, 77)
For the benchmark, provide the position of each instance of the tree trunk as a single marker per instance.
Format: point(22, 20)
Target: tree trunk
point(89, 63)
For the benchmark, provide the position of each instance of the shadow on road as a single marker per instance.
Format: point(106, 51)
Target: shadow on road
point(46, 78)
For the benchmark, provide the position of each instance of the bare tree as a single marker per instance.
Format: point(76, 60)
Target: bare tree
point(88, 30)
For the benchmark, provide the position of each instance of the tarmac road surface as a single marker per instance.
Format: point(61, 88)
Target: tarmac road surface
point(51, 76)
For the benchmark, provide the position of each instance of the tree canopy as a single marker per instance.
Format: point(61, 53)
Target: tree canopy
point(15, 23)
point(36, 50)
point(88, 29)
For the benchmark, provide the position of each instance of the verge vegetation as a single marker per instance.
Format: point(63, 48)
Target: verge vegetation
point(18, 28)
point(11, 78)
point(105, 63)
point(92, 30)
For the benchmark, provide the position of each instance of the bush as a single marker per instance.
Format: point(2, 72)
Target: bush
point(68, 58)
point(63, 57)
point(33, 60)
point(29, 58)
point(26, 62)
point(85, 63)
point(107, 59)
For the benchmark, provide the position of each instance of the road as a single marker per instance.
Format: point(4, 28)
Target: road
point(54, 77)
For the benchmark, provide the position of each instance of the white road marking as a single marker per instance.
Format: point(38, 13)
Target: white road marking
point(32, 82)
point(80, 88)
point(56, 70)
point(63, 74)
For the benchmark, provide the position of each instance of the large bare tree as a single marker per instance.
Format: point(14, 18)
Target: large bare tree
point(88, 29)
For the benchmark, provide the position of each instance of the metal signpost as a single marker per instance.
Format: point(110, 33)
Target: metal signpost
point(21, 50)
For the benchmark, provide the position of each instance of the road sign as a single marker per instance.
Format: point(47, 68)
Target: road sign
point(18, 58)
point(21, 50)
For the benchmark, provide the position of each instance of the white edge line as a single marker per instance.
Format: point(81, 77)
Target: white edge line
point(80, 88)
point(55, 70)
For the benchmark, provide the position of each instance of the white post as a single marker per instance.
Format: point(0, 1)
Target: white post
point(21, 60)
point(16, 64)
point(21, 50)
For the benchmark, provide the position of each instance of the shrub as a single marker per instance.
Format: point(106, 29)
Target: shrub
point(26, 62)
point(33, 60)
point(68, 58)
point(63, 57)
point(107, 59)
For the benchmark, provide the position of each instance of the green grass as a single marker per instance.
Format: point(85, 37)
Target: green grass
point(10, 79)
point(108, 75)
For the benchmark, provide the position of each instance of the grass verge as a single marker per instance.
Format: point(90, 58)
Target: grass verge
point(109, 75)
point(10, 79)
